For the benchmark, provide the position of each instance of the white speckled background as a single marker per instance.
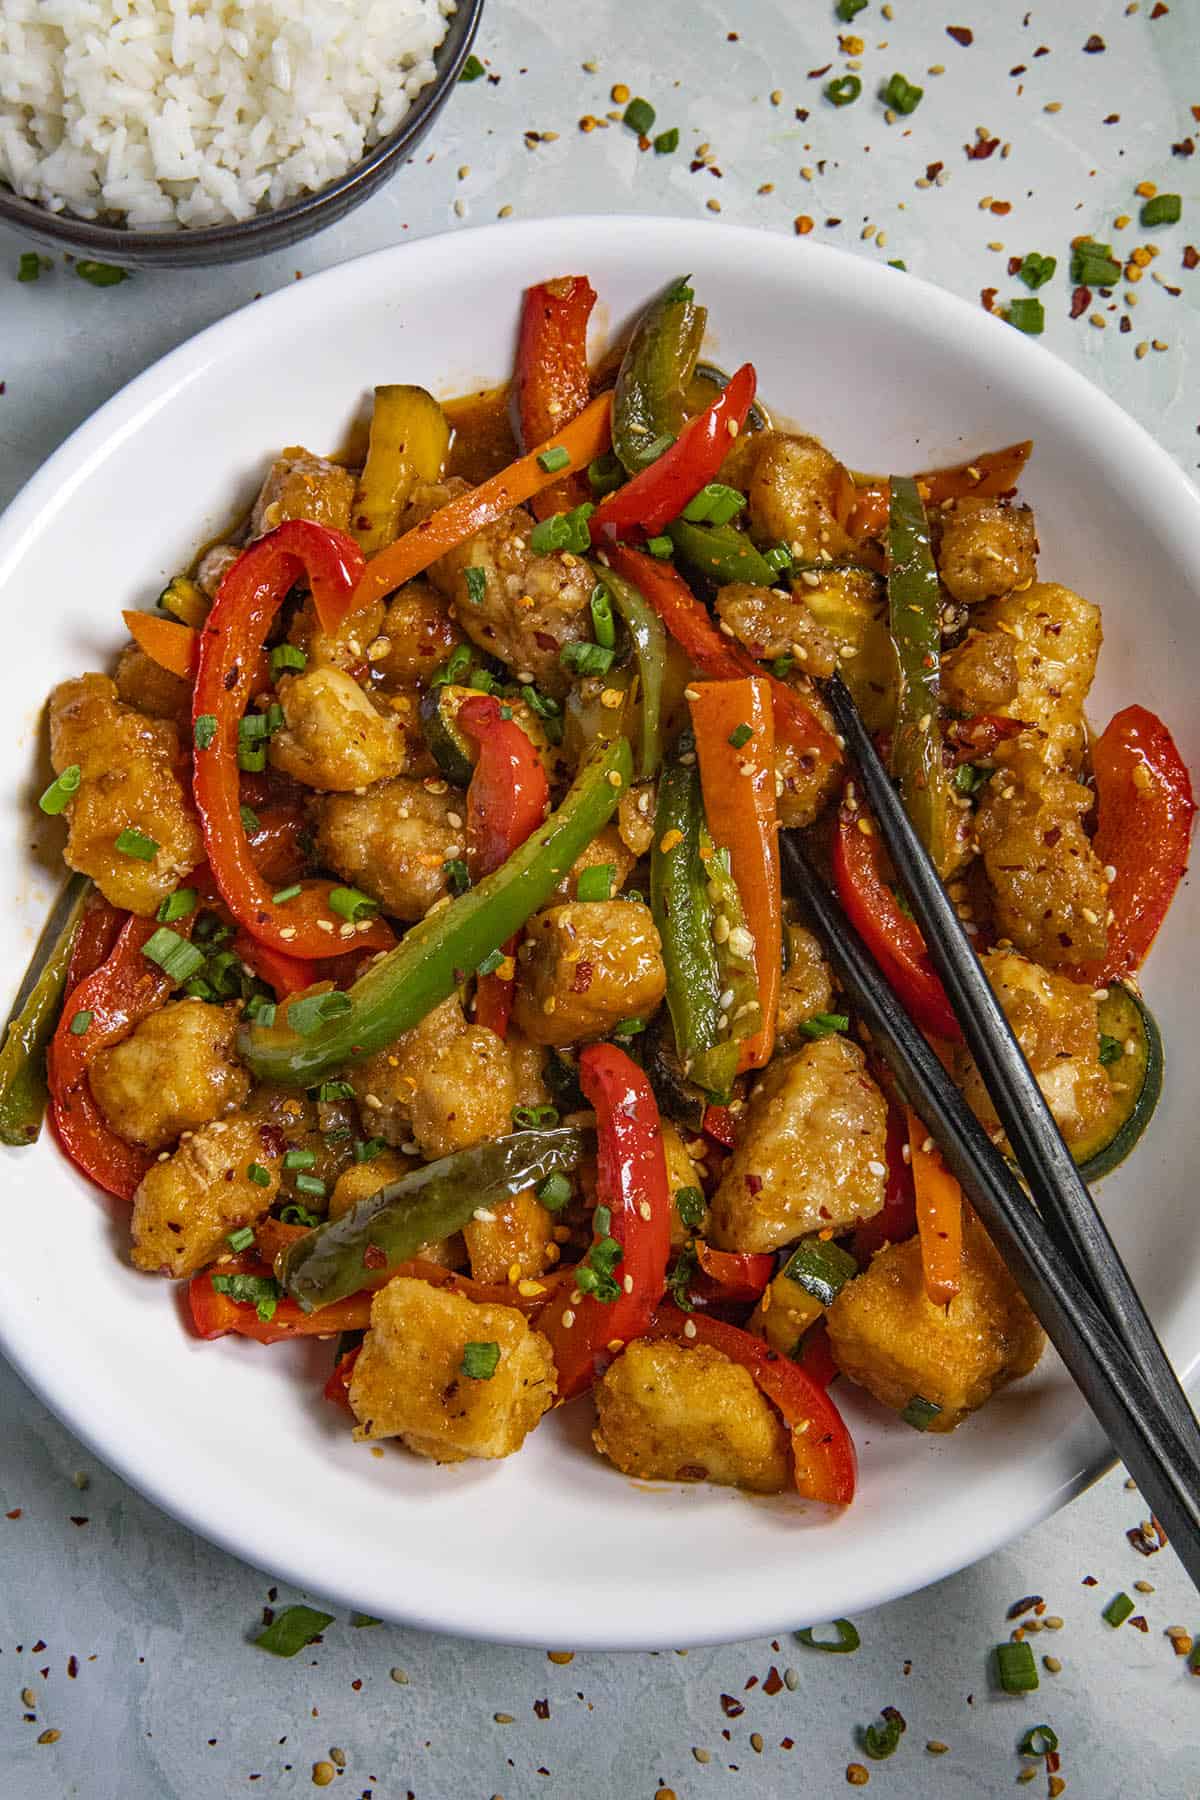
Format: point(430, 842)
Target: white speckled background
point(133, 1636)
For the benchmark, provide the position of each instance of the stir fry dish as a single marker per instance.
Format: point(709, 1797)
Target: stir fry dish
point(425, 981)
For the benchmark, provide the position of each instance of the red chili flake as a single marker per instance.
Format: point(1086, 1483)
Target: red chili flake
point(1142, 1537)
point(1081, 299)
point(1014, 263)
point(1111, 119)
point(542, 1708)
point(815, 74)
point(374, 1257)
point(987, 299)
point(1042, 50)
point(733, 1709)
point(962, 34)
point(774, 1681)
point(1000, 207)
point(38, 1647)
point(1196, 114)
point(544, 641)
point(581, 981)
point(752, 1683)
point(272, 1140)
point(1053, 1762)
point(933, 170)
point(802, 113)
point(1191, 256)
point(787, 1743)
point(833, 221)
point(982, 148)
point(1094, 45)
point(1138, 1622)
point(72, 1667)
point(1088, 1581)
point(1185, 147)
point(14, 1514)
point(1023, 1606)
point(754, 1184)
point(1160, 11)
point(76, 1519)
point(1126, 323)
point(1018, 68)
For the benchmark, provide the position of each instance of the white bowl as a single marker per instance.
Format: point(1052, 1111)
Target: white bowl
point(553, 1547)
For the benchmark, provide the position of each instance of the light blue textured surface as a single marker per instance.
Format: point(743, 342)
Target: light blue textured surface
point(166, 1619)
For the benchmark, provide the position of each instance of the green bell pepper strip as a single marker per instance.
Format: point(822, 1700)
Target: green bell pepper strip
point(23, 1090)
point(436, 956)
point(736, 972)
point(684, 914)
point(721, 553)
point(649, 638)
point(915, 616)
point(648, 401)
point(356, 1250)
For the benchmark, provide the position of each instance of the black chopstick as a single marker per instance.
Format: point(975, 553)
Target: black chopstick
point(1047, 1164)
point(1139, 1428)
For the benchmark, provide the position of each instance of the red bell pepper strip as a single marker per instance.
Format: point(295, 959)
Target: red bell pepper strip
point(286, 974)
point(995, 472)
point(660, 492)
point(98, 931)
point(719, 657)
point(337, 1388)
point(815, 1356)
point(1145, 807)
point(506, 802)
point(252, 592)
point(280, 827)
point(822, 1449)
point(735, 744)
point(584, 438)
point(720, 1124)
point(552, 383)
point(889, 934)
point(215, 1315)
point(124, 990)
point(631, 1181)
point(897, 1220)
point(735, 1275)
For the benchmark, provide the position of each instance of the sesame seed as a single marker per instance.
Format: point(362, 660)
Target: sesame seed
point(701, 1755)
point(877, 1168)
point(568, 1319)
point(323, 1773)
point(689, 1329)
point(1053, 1664)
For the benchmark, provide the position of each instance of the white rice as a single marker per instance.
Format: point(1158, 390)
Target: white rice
point(161, 113)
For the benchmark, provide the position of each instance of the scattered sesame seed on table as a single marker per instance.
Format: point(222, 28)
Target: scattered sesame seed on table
point(131, 1671)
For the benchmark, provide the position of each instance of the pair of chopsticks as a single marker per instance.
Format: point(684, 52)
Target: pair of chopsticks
point(1060, 1253)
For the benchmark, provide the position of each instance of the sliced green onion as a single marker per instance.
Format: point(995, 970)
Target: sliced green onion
point(639, 115)
point(284, 894)
point(624, 1029)
point(1111, 1049)
point(174, 955)
point(549, 535)
point(260, 1177)
point(967, 777)
point(655, 448)
point(554, 459)
point(843, 90)
point(198, 989)
point(534, 1118)
point(541, 704)
point(351, 903)
point(689, 1204)
point(846, 1642)
point(458, 877)
point(250, 760)
point(1093, 264)
point(825, 1024)
point(241, 1239)
point(1036, 270)
point(1028, 316)
point(297, 1626)
point(261, 1010)
point(367, 1149)
point(605, 474)
point(177, 906)
point(847, 10)
point(715, 504)
point(586, 659)
point(29, 265)
point(204, 730)
point(472, 69)
point(1039, 1740)
point(554, 1191)
point(901, 95)
point(311, 1185)
point(454, 667)
point(295, 1214)
point(880, 1742)
point(358, 1620)
point(595, 882)
point(136, 844)
point(1162, 209)
point(604, 627)
point(1118, 1609)
point(490, 963)
point(288, 656)
point(476, 580)
point(779, 557)
point(1016, 1670)
point(897, 262)
point(299, 1159)
point(100, 274)
point(80, 1022)
point(334, 1090)
point(741, 734)
point(667, 142)
point(61, 789)
point(660, 548)
point(480, 1361)
point(250, 820)
point(482, 680)
point(920, 1413)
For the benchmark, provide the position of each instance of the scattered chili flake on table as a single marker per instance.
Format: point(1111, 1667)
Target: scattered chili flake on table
point(962, 34)
point(1094, 45)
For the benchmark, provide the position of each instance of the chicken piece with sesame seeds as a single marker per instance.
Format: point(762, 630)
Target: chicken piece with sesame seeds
point(188, 1203)
point(176, 1071)
point(586, 965)
point(415, 636)
point(333, 737)
point(343, 648)
point(444, 1085)
point(805, 988)
point(772, 622)
point(300, 485)
point(980, 674)
point(810, 1154)
point(414, 1380)
point(523, 608)
point(666, 1413)
point(796, 492)
point(393, 841)
point(1056, 638)
point(985, 548)
point(804, 781)
point(153, 690)
point(1048, 888)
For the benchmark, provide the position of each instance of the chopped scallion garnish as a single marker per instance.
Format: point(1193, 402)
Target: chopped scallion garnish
point(554, 459)
point(297, 1626)
point(667, 142)
point(312, 1185)
point(174, 955)
point(843, 90)
point(204, 730)
point(100, 274)
point(1028, 316)
point(901, 95)
point(1118, 1609)
point(136, 844)
point(639, 116)
point(177, 906)
point(846, 1642)
point(288, 656)
point(480, 1361)
point(476, 580)
point(1016, 1670)
point(554, 1191)
point(299, 1159)
point(1162, 209)
point(367, 1149)
point(241, 1239)
point(259, 1176)
point(80, 1022)
point(351, 903)
point(920, 1413)
point(741, 734)
point(284, 894)
point(586, 659)
point(604, 627)
point(58, 795)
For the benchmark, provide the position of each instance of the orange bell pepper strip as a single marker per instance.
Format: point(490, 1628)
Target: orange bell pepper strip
point(719, 657)
point(584, 438)
point(939, 1204)
point(994, 473)
point(1145, 808)
point(172, 646)
point(735, 745)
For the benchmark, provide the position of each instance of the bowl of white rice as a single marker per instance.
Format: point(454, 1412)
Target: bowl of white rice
point(172, 133)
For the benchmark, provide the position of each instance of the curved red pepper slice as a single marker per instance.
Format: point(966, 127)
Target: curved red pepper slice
point(551, 381)
point(99, 929)
point(1145, 806)
point(734, 1275)
point(720, 657)
point(251, 594)
point(506, 802)
point(822, 1449)
point(897, 1220)
point(631, 1180)
point(889, 934)
point(660, 492)
point(124, 990)
point(217, 1315)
